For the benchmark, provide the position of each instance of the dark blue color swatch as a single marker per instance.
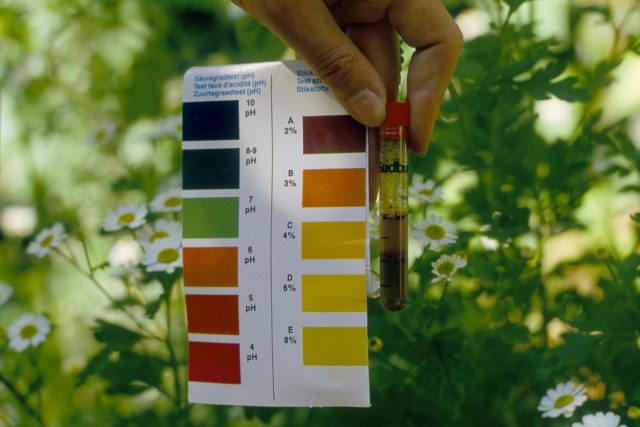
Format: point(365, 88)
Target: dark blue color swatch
point(213, 120)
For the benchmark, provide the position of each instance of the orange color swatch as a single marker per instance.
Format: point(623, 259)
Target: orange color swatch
point(333, 188)
point(210, 267)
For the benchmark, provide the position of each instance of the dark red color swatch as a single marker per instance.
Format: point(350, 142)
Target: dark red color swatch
point(213, 314)
point(214, 363)
point(332, 134)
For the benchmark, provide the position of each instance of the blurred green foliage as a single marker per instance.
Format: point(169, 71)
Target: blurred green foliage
point(554, 297)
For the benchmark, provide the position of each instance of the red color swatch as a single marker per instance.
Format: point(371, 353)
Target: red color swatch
point(332, 134)
point(214, 363)
point(213, 314)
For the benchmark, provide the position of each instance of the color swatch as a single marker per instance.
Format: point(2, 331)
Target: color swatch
point(334, 293)
point(334, 240)
point(274, 239)
point(213, 314)
point(333, 134)
point(210, 218)
point(330, 346)
point(211, 169)
point(333, 188)
point(214, 362)
point(211, 120)
point(210, 267)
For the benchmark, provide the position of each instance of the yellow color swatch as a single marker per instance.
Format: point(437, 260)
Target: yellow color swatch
point(334, 292)
point(333, 240)
point(323, 346)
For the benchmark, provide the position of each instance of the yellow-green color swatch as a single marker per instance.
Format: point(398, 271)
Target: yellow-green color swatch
point(334, 346)
point(213, 218)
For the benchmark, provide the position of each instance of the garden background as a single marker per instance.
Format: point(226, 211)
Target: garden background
point(536, 152)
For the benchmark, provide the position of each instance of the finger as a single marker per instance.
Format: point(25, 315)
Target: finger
point(380, 45)
point(347, 12)
point(309, 28)
point(427, 26)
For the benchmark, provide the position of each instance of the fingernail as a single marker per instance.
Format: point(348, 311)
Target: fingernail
point(368, 108)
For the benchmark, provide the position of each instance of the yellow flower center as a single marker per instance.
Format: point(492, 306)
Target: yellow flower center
point(172, 202)
point(426, 192)
point(168, 255)
point(126, 218)
point(28, 331)
point(434, 232)
point(563, 401)
point(46, 242)
point(158, 235)
point(375, 344)
point(101, 134)
point(446, 268)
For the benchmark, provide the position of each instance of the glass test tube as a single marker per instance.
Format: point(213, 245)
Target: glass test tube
point(394, 209)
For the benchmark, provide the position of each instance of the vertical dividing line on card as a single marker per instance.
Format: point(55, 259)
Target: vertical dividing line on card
point(273, 376)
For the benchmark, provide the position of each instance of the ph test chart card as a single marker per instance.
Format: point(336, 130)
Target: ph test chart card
point(275, 242)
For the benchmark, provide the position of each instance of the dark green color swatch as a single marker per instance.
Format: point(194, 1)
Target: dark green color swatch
point(210, 218)
point(211, 169)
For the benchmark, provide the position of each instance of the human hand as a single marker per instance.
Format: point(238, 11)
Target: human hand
point(353, 47)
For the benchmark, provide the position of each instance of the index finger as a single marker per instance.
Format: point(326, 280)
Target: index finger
point(310, 29)
point(427, 26)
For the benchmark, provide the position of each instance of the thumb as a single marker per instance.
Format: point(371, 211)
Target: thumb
point(310, 29)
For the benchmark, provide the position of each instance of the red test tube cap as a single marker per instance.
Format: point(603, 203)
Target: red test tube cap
point(397, 114)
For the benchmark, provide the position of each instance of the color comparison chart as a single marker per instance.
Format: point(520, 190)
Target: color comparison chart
point(275, 239)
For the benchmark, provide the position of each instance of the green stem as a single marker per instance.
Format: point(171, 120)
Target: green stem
point(22, 400)
point(34, 361)
point(438, 307)
point(101, 288)
point(172, 354)
point(86, 256)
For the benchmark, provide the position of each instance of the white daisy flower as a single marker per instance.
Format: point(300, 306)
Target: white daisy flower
point(169, 201)
point(125, 252)
point(164, 255)
point(28, 330)
point(434, 232)
point(18, 221)
point(447, 266)
point(130, 215)
point(102, 134)
point(46, 240)
point(600, 420)
point(562, 400)
point(169, 127)
point(6, 292)
point(425, 191)
point(161, 229)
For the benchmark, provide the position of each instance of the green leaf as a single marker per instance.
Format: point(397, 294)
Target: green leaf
point(153, 307)
point(565, 89)
point(115, 336)
point(630, 189)
point(132, 373)
point(95, 365)
point(636, 217)
point(515, 4)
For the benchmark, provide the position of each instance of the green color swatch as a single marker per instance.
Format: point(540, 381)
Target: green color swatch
point(210, 218)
